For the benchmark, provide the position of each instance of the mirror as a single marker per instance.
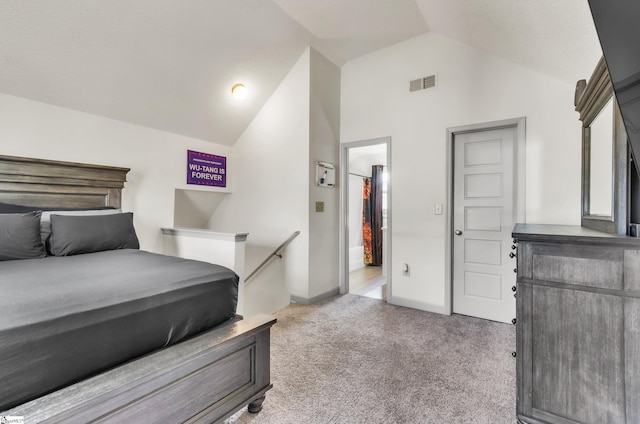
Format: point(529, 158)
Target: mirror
point(604, 155)
point(601, 163)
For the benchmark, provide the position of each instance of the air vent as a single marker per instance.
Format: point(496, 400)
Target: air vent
point(415, 85)
point(422, 83)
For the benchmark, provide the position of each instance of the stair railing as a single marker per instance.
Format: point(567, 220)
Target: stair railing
point(277, 252)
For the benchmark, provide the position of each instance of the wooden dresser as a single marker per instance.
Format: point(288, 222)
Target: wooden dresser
point(578, 326)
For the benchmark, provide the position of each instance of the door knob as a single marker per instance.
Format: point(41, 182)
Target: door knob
point(458, 232)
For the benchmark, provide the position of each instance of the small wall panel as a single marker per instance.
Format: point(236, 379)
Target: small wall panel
point(487, 152)
point(483, 218)
point(483, 186)
point(485, 252)
point(488, 286)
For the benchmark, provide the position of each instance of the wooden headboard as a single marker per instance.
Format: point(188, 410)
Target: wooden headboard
point(49, 183)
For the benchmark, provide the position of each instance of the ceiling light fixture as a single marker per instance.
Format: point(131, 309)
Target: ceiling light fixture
point(239, 91)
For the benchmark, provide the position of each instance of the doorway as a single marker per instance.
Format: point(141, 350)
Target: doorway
point(485, 199)
point(364, 241)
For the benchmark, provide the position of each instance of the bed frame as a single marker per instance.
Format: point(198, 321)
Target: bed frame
point(201, 380)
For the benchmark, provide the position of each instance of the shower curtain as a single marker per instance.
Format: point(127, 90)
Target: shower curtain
point(372, 216)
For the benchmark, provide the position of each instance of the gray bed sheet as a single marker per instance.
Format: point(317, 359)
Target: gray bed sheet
point(63, 319)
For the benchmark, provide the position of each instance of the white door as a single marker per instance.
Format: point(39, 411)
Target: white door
point(483, 218)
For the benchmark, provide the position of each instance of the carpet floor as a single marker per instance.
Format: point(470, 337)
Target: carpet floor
point(352, 359)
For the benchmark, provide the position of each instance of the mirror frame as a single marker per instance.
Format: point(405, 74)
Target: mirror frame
point(589, 100)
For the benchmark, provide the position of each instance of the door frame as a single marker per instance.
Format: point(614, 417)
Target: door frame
point(519, 172)
point(344, 212)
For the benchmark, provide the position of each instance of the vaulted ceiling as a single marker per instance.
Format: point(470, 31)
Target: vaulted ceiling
point(170, 64)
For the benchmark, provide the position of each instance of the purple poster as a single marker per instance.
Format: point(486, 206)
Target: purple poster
point(206, 169)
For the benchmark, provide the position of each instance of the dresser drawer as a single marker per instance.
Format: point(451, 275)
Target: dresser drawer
point(590, 266)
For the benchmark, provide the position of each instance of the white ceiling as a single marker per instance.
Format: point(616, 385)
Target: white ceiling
point(169, 64)
point(554, 37)
point(345, 29)
point(377, 150)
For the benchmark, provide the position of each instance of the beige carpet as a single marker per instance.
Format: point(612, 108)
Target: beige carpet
point(353, 359)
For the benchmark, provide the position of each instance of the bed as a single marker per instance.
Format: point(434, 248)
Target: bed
point(92, 329)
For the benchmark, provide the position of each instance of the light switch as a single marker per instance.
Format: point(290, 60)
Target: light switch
point(319, 206)
point(438, 208)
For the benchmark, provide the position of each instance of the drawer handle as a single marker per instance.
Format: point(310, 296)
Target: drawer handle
point(513, 353)
point(512, 255)
point(513, 288)
point(513, 321)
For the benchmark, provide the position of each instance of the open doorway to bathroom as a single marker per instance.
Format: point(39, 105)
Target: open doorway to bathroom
point(365, 215)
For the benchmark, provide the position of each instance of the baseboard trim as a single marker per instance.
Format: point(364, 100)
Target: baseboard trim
point(315, 299)
point(415, 304)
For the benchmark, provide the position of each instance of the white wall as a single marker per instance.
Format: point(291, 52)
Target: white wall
point(157, 159)
point(324, 129)
point(271, 188)
point(193, 208)
point(275, 191)
point(362, 164)
point(473, 87)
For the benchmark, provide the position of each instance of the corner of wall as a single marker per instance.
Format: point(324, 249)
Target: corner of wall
point(270, 179)
point(324, 145)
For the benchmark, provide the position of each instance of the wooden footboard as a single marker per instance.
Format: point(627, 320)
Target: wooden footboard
point(202, 380)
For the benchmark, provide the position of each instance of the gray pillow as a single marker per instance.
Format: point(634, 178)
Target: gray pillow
point(20, 236)
point(11, 208)
point(72, 235)
point(45, 219)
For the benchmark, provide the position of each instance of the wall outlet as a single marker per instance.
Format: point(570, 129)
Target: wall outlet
point(319, 206)
point(405, 270)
